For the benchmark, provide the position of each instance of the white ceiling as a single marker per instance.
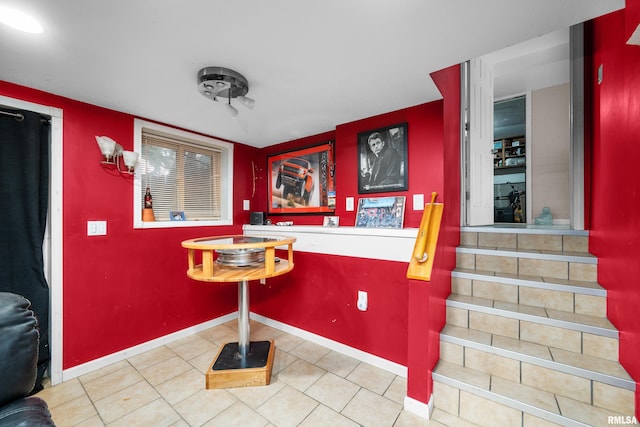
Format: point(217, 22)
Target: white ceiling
point(311, 65)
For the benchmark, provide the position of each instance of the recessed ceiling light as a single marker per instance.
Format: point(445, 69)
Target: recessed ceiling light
point(19, 20)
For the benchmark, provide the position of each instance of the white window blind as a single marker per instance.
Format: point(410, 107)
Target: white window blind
point(182, 175)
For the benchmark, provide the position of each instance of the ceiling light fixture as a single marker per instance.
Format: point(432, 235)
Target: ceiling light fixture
point(19, 20)
point(222, 84)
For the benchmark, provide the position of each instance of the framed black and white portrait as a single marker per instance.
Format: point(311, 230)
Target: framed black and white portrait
point(382, 160)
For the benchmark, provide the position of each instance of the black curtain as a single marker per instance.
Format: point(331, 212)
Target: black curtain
point(24, 198)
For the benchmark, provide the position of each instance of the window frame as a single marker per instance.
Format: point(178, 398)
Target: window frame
point(226, 176)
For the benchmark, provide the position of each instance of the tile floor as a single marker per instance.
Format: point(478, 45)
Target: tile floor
point(310, 386)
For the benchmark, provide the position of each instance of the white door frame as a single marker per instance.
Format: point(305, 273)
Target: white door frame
point(52, 245)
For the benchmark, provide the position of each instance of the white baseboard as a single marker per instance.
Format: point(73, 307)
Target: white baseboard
point(360, 355)
point(379, 362)
point(421, 409)
point(110, 359)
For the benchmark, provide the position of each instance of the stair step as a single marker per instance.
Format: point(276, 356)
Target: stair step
point(588, 367)
point(457, 390)
point(526, 238)
point(559, 294)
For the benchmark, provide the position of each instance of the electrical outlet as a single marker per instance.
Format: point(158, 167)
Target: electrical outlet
point(96, 228)
point(363, 301)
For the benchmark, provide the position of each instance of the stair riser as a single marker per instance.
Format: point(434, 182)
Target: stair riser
point(535, 297)
point(532, 267)
point(542, 242)
point(481, 411)
point(547, 379)
point(553, 336)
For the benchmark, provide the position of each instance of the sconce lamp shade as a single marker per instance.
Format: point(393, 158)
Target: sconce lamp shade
point(130, 159)
point(246, 101)
point(107, 146)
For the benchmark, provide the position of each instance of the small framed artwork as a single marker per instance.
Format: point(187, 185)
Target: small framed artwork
point(331, 221)
point(382, 160)
point(301, 181)
point(176, 215)
point(381, 212)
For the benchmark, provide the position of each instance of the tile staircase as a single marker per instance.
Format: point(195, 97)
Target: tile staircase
point(527, 341)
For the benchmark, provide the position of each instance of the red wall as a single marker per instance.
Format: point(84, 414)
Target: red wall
point(130, 286)
point(615, 218)
point(319, 295)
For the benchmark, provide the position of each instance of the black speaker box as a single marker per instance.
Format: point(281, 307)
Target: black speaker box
point(257, 218)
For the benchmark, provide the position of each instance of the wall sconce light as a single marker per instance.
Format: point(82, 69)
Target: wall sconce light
point(113, 154)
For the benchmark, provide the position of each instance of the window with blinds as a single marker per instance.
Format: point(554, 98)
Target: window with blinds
point(185, 173)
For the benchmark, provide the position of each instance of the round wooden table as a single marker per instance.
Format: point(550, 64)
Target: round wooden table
point(239, 258)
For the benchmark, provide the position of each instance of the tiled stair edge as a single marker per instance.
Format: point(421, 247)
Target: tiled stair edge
point(529, 254)
point(574, 326)
point(525, 230)
point(508, 401)
point(627, 384)
point(594, 290)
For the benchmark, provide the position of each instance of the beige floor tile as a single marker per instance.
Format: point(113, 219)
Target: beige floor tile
point(468, 238)
point(374, 379)
point(575, 244)
point(540, 242)
point(496, 291)
point(551, 336)
point(256, 396)
point(203, 362)
point(289, 407)
point(541, 267)
point(360, 409)
point(499, 264)
point(497, 240)
point(599, 346)
point(460, 286)
point(151, 357)
point(103, 371)
point(492, 364)
point(466, 261)
point(556, 382)
point(591, 305)
point(547, 298)
point(446, 398)
point(407, 419)
point(583, 272)
point(266, 333)
point(397, 391)
point(62, 393)
point(287, 342)
point(452, 353)
point(300, 374)
point(458, 317)
point(337, 363)
point(281, 360)
point(333, 391)
point(94, 421)
point(115, 381)
point(182, 386)
point(487, 413)
point(238, 415)
point(195, 348)
point(528, 395)
point(532, 349)
point(157, 413)
point(74, 411)
point(529, 420)
point(123, 402)
point(221, 335)
point(165, 370)
point(203, 406)
point(609, 367)
point(323, 417)
point(614, 398)
point(310, 352)
point(588, 414)
point(499, 325)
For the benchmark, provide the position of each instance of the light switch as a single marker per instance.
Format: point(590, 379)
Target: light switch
point(246, 205)
point(349, 203)
point(418, 202)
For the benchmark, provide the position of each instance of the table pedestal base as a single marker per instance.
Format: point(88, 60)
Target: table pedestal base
point(230, 370)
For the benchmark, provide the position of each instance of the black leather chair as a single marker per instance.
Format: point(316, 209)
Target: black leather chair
point(18, 365)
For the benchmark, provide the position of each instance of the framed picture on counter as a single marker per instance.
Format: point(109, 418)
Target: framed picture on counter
point(381, 212)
